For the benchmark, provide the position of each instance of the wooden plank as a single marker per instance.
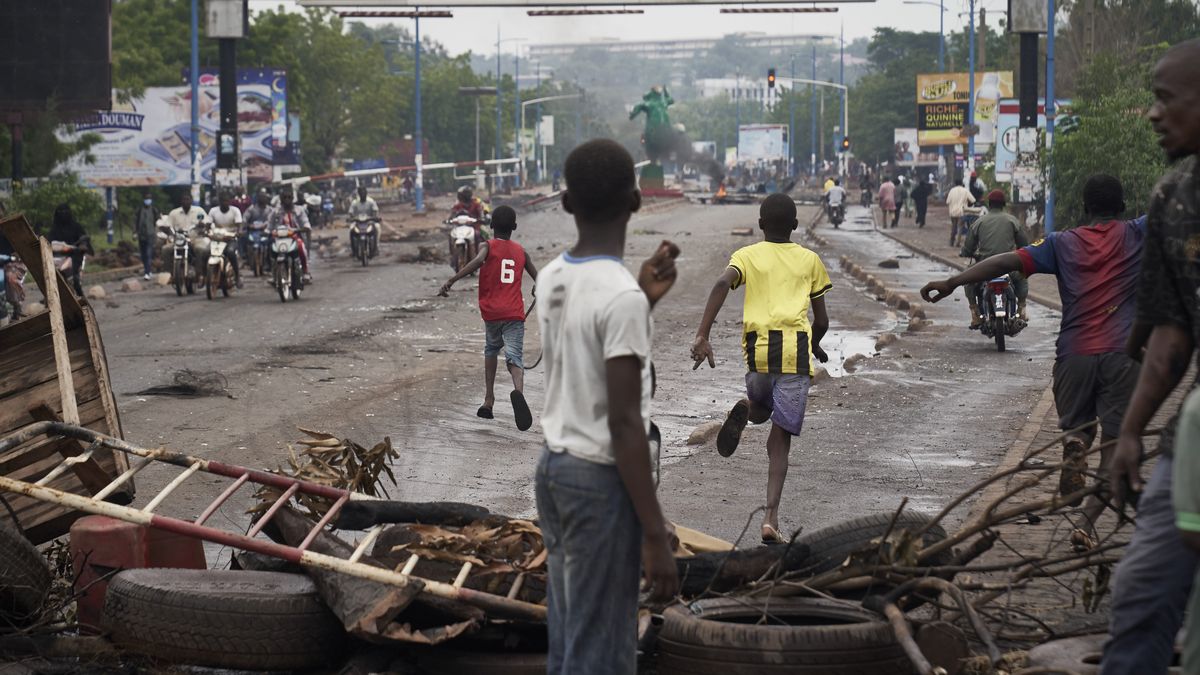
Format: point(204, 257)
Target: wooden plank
point(14, 410)
point(25, 242)
point(58, 331)
point(30, 452)
point(35, 363)
point(89, 473)
point(26, 329)
point(112, 416)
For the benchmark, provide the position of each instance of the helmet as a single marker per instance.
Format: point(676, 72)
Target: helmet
point(465, 192)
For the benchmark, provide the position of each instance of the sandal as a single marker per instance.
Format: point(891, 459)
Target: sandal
point(521, 411)
point(770, 535)
point(484, 412)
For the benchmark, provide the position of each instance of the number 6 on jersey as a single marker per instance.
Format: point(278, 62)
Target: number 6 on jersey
point(508, 272)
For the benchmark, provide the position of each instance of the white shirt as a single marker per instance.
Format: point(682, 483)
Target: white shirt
point(368, 208)
point(225, 218)
point(593, 312)
point(837, 195)
point(186, 220)
point(958, 199)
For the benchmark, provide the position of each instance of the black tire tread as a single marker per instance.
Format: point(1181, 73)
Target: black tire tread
point(288, 627)
point(24, 577)
point(830, 546)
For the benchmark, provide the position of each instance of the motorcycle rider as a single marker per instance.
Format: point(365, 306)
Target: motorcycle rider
point(226, 215)
point(66, 230)
point(187, 217)
point(472, 206)
point(835, 196)
point(997, 232)
point(257, 218)
point(366, 206)
point(293, 216)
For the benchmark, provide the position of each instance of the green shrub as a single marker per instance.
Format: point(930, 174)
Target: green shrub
point(38, 202)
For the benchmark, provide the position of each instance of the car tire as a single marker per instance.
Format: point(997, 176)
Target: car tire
point(222, 618)
point(445, 661)
point(24, 577)
point(720, 637)
point(830, 546)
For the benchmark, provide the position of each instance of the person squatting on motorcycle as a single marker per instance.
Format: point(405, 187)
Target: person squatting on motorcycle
point(997, 232)
point(1097, 268)
point(68, 239)
point(364, 205)
point(227, 216)
point(294, 217)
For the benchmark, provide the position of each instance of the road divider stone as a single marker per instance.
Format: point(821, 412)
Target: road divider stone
point(96, 292)
point(704, 434)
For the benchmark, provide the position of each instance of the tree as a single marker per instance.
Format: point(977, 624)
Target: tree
point(39, 202)
point(1113, 137)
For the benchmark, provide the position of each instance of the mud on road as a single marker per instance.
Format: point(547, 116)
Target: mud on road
point(371, 351)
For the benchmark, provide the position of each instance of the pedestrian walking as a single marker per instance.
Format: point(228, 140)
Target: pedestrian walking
point(887, 202)
point(957, 200)
point(1096, 266)
point(502, 264)
point(783, 282)
point(596, 506)
point(1155, 575)
point(977, 187)
point(145, 224)
point(920, 197)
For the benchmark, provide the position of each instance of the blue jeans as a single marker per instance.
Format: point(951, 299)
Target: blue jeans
point(146, 248)
point(594, 541)
point(1151, 587)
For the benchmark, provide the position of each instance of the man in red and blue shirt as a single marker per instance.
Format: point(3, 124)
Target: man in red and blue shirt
point(1097, 267)
point(501, 263)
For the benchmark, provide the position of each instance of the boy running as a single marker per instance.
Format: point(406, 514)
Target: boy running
point(504, 263)
point(783, 280)
point(595, 497)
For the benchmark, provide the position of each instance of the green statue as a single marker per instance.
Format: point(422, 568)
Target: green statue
point(659, 135)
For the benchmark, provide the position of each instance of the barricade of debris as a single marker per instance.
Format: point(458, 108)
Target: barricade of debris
point(333, 575)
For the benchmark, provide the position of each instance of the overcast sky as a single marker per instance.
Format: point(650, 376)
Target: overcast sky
point(474, 29)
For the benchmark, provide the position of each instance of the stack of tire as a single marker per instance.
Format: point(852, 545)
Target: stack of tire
point(24, 578)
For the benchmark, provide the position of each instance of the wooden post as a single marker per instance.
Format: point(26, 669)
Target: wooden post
point(58, 333)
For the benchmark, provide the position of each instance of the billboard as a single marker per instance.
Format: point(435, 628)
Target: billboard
point(762, 141)
point(1007, 124)
point(146, 141)
point(907, 149)
point(942, 101)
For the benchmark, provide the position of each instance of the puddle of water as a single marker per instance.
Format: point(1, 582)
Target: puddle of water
point(840, 345)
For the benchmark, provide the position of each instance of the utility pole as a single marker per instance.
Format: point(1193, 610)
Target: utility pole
point(1051, 11)
point(812, 97)
point(418, 156)
point(844, 163)
point(969, 160)
point(737, 111)
point(227, 23)
point(496, 150)
point(983, 30)
point(195, 77)
point(517, 127)
point(792, 120)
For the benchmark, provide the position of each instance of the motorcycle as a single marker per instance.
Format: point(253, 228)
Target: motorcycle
point(364, 238)
point(181, 258)
point(462, 238)
point(220, 268)
point(837, 214)
point(69, 259)
point(997, 302)
point(288, 279)
point(865, 198)
point(258, 253)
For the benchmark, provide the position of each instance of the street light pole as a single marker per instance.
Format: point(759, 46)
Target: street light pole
point(792, 122)
point(842, 81)
point(812, 96)
point(496, 150)
point(518, 123)
point(195, 77)
point(737, 112)
point(418, 159)
point(1050, 113)
point(969, 161)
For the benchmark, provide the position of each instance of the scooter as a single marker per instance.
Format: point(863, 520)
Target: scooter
point(258, 253)
point(288, 278)
point(364, 238)
point(997, 302)
point(220, 268)
point(69, 259)
point(462, 240)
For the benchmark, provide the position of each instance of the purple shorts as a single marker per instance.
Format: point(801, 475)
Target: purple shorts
point(786, 396)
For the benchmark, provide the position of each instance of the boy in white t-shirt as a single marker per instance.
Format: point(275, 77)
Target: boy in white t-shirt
point(595, 496)
point(228, 217)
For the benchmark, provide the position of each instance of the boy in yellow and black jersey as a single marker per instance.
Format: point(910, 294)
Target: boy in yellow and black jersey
point(783, 281)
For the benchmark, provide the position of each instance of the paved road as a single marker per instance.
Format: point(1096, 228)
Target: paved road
point(371, 352)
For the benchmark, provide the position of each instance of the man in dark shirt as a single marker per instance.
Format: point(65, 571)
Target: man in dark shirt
point(1152, 582)
point(997, 232)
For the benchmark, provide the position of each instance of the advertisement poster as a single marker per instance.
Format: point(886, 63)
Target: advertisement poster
point(942, 102)
point(762, 141)
point(907, 150)
point(1009, 121)
point(146, 141)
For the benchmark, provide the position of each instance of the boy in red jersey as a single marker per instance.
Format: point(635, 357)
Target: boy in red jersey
point(503, 263)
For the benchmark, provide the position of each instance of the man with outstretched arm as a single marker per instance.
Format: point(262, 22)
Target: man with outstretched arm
point(1096, 266)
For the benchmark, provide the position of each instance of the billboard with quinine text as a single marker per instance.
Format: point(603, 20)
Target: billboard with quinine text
point(942, 107)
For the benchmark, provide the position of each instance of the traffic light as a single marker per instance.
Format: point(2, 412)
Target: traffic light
point(845, 144)
point(770, 78)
